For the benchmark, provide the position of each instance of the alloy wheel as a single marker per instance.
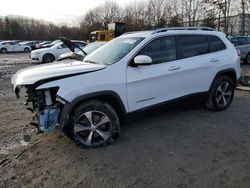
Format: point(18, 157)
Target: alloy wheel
point(223, 94)
point(93, 128)
point(4, 51)
point(248, 59)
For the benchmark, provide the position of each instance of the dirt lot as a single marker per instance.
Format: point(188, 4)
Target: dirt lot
point(184, 147)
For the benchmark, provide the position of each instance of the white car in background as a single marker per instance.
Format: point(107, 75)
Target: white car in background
point(10, 46)
point(47, 55)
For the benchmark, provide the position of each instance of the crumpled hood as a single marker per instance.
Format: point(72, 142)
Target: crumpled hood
point(33, 74)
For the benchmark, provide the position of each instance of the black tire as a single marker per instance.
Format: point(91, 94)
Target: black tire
point(247, 60)
point(26, 50)
point(103, 133)
point(4, 50)
point(221, 94)
point(48, 58)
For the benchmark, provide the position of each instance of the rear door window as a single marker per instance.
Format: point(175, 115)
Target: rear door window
point(248, 40)
point(161, 50)
point(192, 45)
point(216, 43)
point(242, 41)
point(234, 41)
point(239, 41)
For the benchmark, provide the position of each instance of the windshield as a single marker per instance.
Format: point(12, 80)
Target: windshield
point(113, 51)
point(91, 47)
point(55, 42)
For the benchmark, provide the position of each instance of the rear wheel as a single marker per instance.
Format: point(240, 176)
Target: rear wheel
point(247, 60)
point(4, 50)
point(221, 94)
point(47, 58)
point(26, 50)
point(94, 123)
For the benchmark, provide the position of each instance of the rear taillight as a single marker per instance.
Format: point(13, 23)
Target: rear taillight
point(238, 52)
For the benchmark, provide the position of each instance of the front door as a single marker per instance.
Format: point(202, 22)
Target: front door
point(161, 81)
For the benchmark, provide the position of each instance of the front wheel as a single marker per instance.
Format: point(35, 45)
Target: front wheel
point(94, 123)
point(48, 58)
point(221, 94)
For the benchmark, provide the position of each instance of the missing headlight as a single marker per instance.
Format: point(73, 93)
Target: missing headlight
point(49, 109)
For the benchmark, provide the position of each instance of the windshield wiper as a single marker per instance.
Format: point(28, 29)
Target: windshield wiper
point(88, 61)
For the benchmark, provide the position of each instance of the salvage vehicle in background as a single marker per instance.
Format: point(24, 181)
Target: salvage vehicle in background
point(80, 54)
point(10, 46)
point(131, 73)
point(48, 44)
point(50, 54)
point(41, 44)
point(243, 44)
point(31, 44)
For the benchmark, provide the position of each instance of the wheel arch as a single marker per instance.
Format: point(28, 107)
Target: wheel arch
point(110, 97)
point(48, 54)
point(231, 73)
point(3, 48)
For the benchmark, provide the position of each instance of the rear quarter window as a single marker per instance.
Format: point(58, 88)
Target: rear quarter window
point(216, 44)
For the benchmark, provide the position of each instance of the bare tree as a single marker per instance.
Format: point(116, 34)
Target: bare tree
point(157, 13)
point(224, 8)
point(191, 11)
point(134, 16)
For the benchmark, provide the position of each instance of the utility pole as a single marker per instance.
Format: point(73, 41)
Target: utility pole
point(225, 16)
point(218, 25)
point(243, 16)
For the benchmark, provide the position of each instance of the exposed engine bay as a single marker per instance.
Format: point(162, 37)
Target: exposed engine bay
point(44, 104)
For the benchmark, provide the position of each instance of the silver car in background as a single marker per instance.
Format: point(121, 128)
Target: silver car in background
point(243, 44)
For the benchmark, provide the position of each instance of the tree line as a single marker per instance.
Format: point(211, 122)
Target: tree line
point(138, 15)
point(22, 28)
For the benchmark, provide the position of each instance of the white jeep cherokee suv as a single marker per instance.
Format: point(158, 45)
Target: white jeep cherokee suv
point(133, 72)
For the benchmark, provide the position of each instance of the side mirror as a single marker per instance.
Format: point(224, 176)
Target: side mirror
point(142, 60)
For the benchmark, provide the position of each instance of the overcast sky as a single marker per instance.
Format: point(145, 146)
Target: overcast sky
point(57, 11)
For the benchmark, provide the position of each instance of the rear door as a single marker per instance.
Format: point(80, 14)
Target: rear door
point(18, 47)
point(197, 62)
point(9, 46)
point(156, 83)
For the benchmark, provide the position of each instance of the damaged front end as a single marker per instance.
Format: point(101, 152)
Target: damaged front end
point(44, 104)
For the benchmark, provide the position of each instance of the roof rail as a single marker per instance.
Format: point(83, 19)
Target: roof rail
point(182, 28)
point(127, 33)
point(131, 32)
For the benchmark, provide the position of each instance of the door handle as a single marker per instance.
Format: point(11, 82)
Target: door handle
point(173, 68)
point(213, 60)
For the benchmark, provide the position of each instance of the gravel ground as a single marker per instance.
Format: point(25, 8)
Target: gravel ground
point(188, 146)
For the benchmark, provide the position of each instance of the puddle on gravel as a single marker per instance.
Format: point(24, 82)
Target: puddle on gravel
point(9, 147)
point(12, 144)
